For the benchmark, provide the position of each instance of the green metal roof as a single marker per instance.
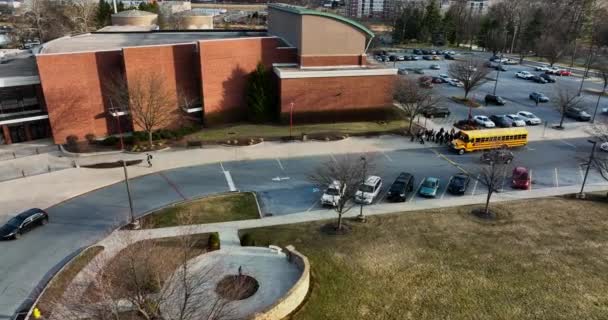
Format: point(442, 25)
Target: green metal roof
point(305, 11)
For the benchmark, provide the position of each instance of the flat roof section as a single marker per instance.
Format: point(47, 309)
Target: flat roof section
point(100, 41)
point(295, 72)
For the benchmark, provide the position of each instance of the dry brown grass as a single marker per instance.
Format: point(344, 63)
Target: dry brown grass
point(547, 260)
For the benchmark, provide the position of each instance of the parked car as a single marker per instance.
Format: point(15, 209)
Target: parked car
point(402, 71)
point(400, 58)
point(520, 179)
point(511, 62)
point(401, 187)
point(552, 70)
point(538, 97)
point(541, 68)
point(458, 184)
point(23, 222)
point(529, 117)
point(497, 100)
point(501, 121)
point(429, 187)
point(368, 191)
point(332, 194)
point(444, 76)
point(434, 57)
point(547, 77)
point(439, 80)
point(418, 71)
point(484, 121)
point(564, 73)
point(604, 146)
point(417, 51)
point(538, 79)
point(392, 58)
point(501, 155)
point(435, 67)
point(448, 56)
point(416, 58)
point(455, 83)
point(427, 58)
point(577, 114)
point(524, 75)
point(433, 112)
point(517, 120)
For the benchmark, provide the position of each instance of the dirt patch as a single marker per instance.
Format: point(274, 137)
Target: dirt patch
point(237, 287)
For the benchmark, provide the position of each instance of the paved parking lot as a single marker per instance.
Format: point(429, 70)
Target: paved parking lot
point(516, 91)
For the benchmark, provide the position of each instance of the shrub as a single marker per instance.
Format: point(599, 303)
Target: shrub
point(90, 138)
point(71, 140)
point(247, 240)
point(109, 141)
point(214, 242)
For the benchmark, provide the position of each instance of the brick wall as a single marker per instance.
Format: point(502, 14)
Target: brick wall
point(336, 98)
point(225, 65)
point(322, 61)
point(73, 91)
point(176, 64)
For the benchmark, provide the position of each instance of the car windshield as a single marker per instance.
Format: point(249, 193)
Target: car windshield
point(521, 175)
point(15, 222)
point(332, 192)
point(429, 184)
point(366, 188)
point(398, 185)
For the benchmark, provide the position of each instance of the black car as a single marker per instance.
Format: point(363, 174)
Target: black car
point(499, 155)
point(424, 51)
point(393, 58)
point(538, 79)
point(23, 223)
point(436, 112)
point(417, 51)
point(459, 183)
point(399, 190)
point(427, 58)
point(577, 114)
point(448, 56)
point(439, 80)
point(547, 77)
point(501, 121)
point(498, 100)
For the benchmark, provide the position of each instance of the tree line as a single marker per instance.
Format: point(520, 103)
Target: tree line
point(552, 29)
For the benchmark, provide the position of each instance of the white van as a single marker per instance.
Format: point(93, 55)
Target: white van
point(369, 190)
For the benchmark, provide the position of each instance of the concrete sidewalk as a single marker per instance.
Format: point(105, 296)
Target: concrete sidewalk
point(49, 189)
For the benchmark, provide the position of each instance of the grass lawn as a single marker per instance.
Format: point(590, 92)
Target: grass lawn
point(547, 260)
point(277, 131)
point(226, 207)
point(61, 281)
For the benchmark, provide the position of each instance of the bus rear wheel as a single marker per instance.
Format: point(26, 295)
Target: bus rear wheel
point(460, 151)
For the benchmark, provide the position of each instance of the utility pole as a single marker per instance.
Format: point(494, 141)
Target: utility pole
point(587, 67)
point(581, 194)
point(361, 217)
point(597, 104)
point(131, 215)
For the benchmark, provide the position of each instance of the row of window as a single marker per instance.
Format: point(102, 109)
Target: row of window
point(503, 138)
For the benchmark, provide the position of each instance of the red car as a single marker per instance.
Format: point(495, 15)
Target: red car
point(564, 73)
point(520, 178)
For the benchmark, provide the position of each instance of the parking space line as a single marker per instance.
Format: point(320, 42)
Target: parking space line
point(445, 189)
point(280, 164)
point(222, 166)
point(387, 156)
point(229, 181)
point(531, 181)
point(313, 205)
point(580, 170)
point(567, 143)
point(556, 179)
point(333, 158)
point(475, 185)
point(413, 197)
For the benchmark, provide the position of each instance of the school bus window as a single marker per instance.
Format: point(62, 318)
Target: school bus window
point(524, 136)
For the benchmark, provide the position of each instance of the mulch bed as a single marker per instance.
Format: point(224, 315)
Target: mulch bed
point(110, 165)
point(237, 287)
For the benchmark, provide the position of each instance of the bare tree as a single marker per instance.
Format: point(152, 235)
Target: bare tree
point(601, 68)
point(492, 173)
point(566, 99)
point(472, 72)
point(82, 14)
point(152, 279)
point(147, 99)
point(349, 172)
point(599, 130)
point(551, 47)
point(411, 100)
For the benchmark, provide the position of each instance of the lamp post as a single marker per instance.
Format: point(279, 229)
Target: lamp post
point(498, 73)
point(597, 104)
point(290, 119)
point(131, 215)
point(360, 217)
point(581, 194)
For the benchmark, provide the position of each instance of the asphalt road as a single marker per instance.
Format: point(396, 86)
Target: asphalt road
point(281, 184)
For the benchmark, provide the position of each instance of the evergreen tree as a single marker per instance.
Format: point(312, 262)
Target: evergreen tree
point(260, 99)
point(120, 7)
point(104, 14)
point(413, 24)
point(448, 25)
point(431, 24)
point(399, 29)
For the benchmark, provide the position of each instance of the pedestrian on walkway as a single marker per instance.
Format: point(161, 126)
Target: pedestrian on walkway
point(429, 135)
point(438, 136)
point(149, 160)
point(452, 131)
point(422, 138)
point(449, 137)
point(439, 139)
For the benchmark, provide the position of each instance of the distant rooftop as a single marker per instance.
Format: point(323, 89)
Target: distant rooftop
point(128, 28)
point(133, 13)
point(101, 41)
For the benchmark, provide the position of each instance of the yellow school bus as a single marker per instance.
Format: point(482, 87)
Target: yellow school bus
point(468, 141)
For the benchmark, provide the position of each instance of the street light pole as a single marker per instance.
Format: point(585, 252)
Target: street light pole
point(597, 104)
point(131, 216)
point(290, 119)
point(498, 73)
point(581, 194)
point(587, 67)
point(361, 217)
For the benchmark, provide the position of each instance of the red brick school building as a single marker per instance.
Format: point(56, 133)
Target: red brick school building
point(318, 61)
